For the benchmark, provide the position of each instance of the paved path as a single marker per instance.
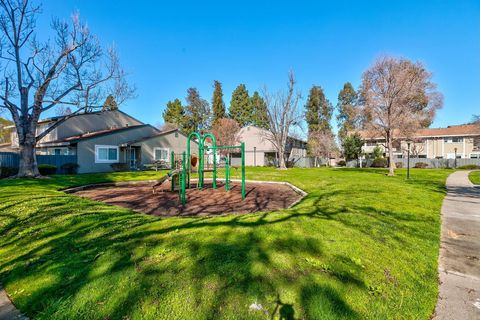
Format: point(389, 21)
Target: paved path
point(459, 263)
point(7, 309)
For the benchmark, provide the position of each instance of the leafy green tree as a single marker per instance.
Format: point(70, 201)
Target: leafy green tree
point(241, 107)
point(260, 112)
point(318, 115)
point(4, 133)
point(198, 112)
point(346, 106)
point(318, 110)
point(218, 105)
point(377, 152)
point(352, 146)
point(174, 114)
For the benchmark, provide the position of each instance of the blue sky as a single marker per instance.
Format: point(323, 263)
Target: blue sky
point(169, 46)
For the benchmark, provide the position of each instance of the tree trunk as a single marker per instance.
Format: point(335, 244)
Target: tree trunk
point(28, 160)
point(281, 163)
point(281, 159)
point(391, 171)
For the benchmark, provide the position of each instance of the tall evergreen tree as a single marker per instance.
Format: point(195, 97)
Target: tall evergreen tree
point(318, 110)
point(260, 113)
point(241, 107)
point(346, 106)
point(318, 115)
point(198, 112)
point(175, 114)
point(218, 105)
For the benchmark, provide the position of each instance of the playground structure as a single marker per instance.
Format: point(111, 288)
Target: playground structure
point(182, 166)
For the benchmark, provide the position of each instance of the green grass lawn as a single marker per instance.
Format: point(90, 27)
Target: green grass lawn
point(360, 245)
point(475, 177)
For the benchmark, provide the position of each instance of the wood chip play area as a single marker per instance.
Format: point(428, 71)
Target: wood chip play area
point(176, 194)
point(139, 197)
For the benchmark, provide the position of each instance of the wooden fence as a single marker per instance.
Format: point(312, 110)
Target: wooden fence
point(12, 160)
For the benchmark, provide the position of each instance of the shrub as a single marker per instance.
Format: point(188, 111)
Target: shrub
point(377, 152)
point(469, 167)
point(118, 167)
point(341, 163)
point(379, 163)
point(399, 164)
point(8, 171)
point(47, 169)
point(70, 167)
point(421, 165)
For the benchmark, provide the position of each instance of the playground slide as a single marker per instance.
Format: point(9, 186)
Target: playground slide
point(166, 177)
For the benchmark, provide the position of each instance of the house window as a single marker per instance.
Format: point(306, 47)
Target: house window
point(452, 156)
point(57, 151)
point(474, 155)
point(453, 140)
point(160, 153)
point(106, 154)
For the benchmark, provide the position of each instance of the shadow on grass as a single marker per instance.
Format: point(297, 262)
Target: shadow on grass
point(84, 259)
point(67, 243)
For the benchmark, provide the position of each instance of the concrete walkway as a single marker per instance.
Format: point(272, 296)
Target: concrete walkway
point(7, 309)
point(459, 263)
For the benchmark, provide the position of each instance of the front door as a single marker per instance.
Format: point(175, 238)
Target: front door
point(133, 158)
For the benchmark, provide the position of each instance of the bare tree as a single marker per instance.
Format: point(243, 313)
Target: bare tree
point(225, 131)
point(398, 98)
point(321, 144)
point(476, 119)
point(417, 147)
point(283, 115)
point(71, 70)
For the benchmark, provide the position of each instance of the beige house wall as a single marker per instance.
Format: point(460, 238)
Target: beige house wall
point(257, 144)
point(435, 147)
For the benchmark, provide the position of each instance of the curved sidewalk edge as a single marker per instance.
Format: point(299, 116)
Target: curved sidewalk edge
point(459, 261)
point(7, 309)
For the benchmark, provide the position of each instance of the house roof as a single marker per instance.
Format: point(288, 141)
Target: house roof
point(161, 133)
point(450, 131)
point(89, 135)
point(56, 118)
point(289, 137)
point(456, 130)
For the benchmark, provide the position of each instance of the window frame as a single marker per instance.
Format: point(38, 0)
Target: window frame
point(459, 139)
point(160, 148)
point(101, 146)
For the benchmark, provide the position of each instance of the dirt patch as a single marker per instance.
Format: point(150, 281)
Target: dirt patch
point(259, 197)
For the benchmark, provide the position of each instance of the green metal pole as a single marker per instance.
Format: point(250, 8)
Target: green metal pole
point(227, 175)
point(172, 167)
point(214, 167)
point(200, 166)
point(199, 138)
point(183, 183)
point(243, 170)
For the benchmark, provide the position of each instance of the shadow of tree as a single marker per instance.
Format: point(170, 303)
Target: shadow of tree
point(82, 259)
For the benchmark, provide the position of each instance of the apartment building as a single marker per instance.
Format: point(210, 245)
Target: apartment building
point(460, 141)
